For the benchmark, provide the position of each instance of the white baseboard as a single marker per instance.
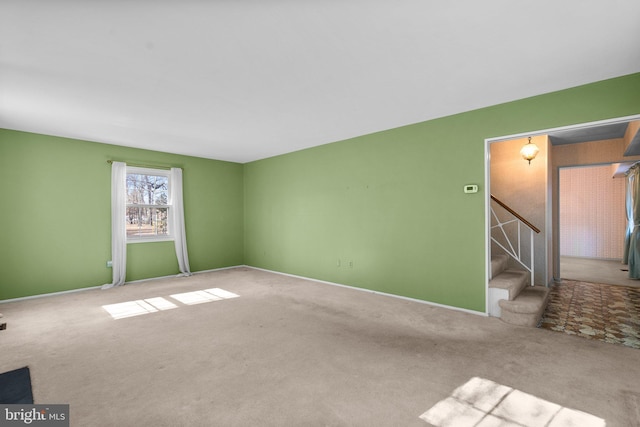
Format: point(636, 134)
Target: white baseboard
point(450, 307)
point(70, 291)
point(133, 282)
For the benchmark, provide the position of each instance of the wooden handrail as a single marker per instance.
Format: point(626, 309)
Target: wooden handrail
point(516, 214)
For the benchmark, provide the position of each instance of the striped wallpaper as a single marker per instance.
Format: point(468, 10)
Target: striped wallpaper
point(592, 212)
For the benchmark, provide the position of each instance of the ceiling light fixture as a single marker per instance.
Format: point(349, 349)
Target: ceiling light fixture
point(529, 151)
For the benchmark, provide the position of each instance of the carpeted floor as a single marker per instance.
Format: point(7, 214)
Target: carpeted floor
point(597, 311)
point(596, 270)
point(286, 351)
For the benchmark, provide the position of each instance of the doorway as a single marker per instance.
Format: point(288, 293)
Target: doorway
point(595, 143)
point(592, 224)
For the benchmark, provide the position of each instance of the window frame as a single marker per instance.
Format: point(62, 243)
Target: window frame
point(137, 170)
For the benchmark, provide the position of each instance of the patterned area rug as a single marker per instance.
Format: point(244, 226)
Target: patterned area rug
point(607, 313)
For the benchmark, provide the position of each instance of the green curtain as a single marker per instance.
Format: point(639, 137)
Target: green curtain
point(632, 254)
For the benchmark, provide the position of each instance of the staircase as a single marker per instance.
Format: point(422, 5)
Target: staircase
point(512, 297)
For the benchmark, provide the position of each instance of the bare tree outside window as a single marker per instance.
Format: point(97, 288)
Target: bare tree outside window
point(147, 205)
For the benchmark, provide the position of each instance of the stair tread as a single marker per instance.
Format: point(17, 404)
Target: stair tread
point(529, 301)
point(503, 280)
point(513, 281)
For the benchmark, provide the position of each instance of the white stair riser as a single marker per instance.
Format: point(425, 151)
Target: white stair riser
point(495, 295)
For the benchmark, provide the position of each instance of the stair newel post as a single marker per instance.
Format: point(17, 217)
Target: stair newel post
point(532, 256)
point(519, 244)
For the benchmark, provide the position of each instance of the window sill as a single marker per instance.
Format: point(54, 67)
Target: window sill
point(150, 239)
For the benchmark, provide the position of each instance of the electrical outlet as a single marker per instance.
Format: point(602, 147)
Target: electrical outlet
point(109, 264)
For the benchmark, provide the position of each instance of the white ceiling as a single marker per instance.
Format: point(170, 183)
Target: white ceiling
point(248, 79)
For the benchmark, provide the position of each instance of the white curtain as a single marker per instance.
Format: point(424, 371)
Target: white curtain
point(118, 224)
point(177, 222)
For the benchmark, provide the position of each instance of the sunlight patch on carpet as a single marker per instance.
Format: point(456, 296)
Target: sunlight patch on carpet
point(196, 297)
point(138, 307)
point(222, 293)
point(484, 403)
point(207, 295)
point(152, 305)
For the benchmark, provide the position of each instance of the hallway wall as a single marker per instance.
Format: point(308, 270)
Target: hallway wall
point(592, 212)
point(524, 188)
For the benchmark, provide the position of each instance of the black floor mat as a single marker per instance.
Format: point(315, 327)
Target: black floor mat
point(15, 387)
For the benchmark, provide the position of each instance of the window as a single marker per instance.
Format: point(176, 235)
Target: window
point(148, 204)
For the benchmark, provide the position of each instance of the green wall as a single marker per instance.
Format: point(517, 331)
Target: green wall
point(387, 212)
point(384, 212)
point(55, 221)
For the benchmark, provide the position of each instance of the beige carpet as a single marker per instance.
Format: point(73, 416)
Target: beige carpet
point(292, 352)
point(594, 270)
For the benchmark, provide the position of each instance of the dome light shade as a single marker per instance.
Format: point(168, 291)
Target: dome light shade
point(529, 151)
